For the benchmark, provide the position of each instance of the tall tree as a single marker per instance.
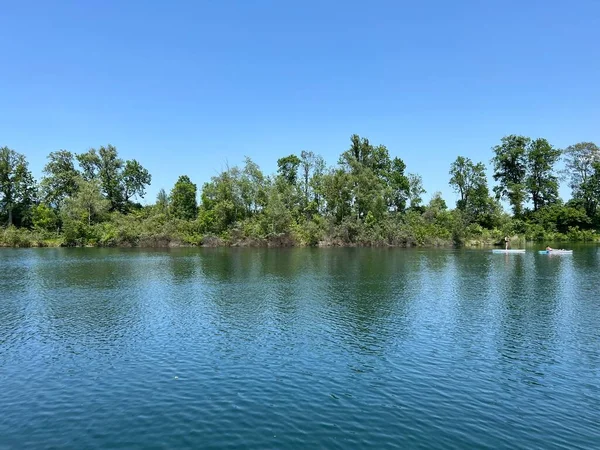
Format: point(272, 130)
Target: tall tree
point(307, 163)
point(399, 185)
point(17, 187)
point(316, 182)
point(135, 178)
point(183, 199)
point(337, 193)
point(415, 190)
point(541, 181)
point(467, 178)
point(253, 187)
point(287, 168)
point(510, 170)
point(162, 202)
point(106, 166)
point(87, 206)
point(120, 180)
point(579, 161)
point(60, 178)
point(591, 189)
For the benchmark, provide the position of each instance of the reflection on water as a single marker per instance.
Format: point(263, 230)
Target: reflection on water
point(294, 348)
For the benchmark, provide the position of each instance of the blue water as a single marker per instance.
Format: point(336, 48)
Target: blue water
point(300, 348)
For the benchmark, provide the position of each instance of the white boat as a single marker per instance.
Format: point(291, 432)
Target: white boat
point(510, 250)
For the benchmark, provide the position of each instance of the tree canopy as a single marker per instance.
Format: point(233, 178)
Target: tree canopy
point(367, 198)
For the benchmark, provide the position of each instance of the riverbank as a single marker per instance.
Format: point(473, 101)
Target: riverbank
point(23, 238)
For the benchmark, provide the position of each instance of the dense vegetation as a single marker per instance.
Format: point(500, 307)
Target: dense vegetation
point(367, 198)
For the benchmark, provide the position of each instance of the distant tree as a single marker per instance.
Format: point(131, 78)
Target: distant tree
point(316, 183)
point(87, 206)
point(542, 183)
point(467, 179)
point(135, 178)
point(183, 199)
point(60, 178)
point(120, 180)
point(415, 190)
point(43, 217)
point(162, 201)
point(510, 170)
point(337, 193)
point(399, 185)
point(253, 187)
point(17, 187)
point(437, 202)
point(306, 162)
point(591, 188)
point(579, 161)
point(287, 168)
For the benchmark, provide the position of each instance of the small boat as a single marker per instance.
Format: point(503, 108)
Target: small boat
point(555, 252)
point(510, 250)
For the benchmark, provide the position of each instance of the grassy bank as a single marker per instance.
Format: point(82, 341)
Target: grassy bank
point(149, 232)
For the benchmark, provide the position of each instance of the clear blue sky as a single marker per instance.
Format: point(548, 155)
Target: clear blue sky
point(187, 86)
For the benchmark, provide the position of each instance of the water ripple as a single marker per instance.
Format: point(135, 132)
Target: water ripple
point(305, 348)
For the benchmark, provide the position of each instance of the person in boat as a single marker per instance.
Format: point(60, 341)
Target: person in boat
point(548, 249)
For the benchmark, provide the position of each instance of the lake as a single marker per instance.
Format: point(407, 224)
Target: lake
point(298, 348)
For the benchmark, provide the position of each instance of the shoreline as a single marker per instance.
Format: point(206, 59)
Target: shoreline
point(255, 243)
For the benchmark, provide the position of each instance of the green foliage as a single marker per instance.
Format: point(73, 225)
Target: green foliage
point(44, 218)
point(579, 161)
point(360, 201)
point(510, 170)
point(468, 180)
point(162, 202)
point(120, 180)
point(135, 178)
point(287, 168)
point(541, 182)
point(17, 188)
point(415, 190)
point(60, 178)
point(183, 199)
point(87, 206)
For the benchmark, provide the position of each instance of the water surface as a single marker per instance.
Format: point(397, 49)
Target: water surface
point(301, 348)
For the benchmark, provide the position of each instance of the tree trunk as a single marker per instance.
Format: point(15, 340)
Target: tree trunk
point(10, 215)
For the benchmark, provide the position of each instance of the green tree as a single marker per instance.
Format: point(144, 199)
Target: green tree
point(467, 179)
point(337, 193)
point(277, 217)
point(44, 218)
point(306, 163)
point(378, 182)
point(287, 168)
point(120, 180)
point(591, 187)
point(17, 187)
point(541, 182)
point(183, 199)
point(579, 162)
point(162, 202)
point(254, 187)
point(316, 184)
point(135, 178)
point(60, 178)
point(399, 185)
point(88, 205)
point(510, 170)
point(415, 190)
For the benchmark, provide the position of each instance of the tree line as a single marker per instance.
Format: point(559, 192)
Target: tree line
point(367, 198)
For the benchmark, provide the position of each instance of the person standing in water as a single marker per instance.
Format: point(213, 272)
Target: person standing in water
point(506, 242)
